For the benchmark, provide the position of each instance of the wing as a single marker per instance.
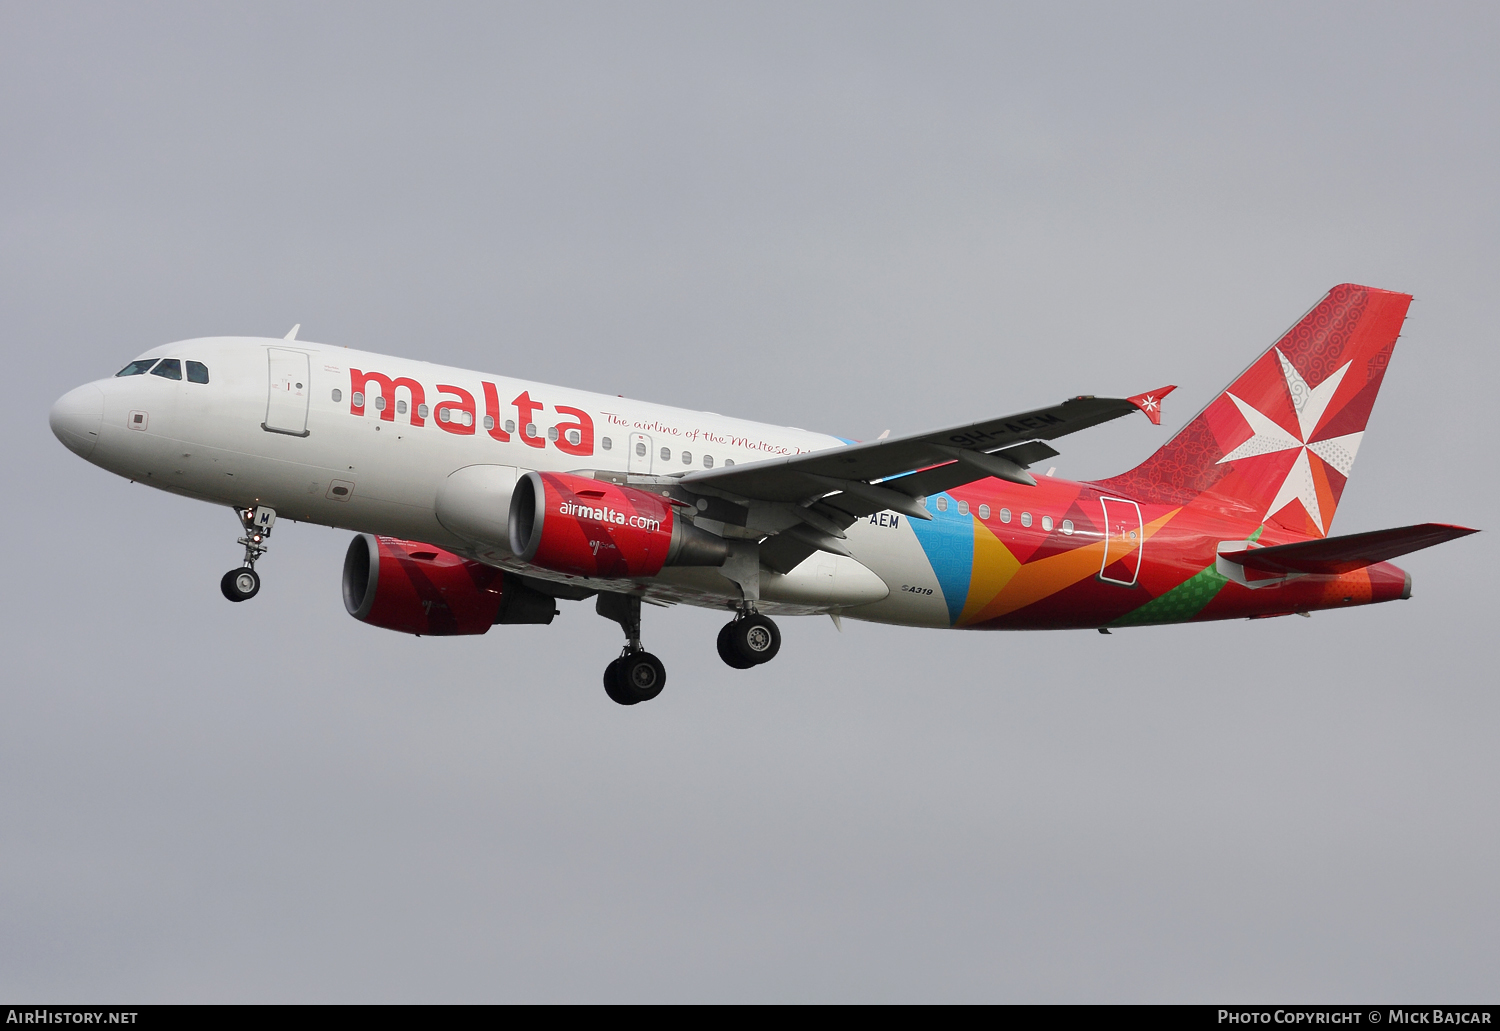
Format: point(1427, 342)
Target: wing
point(799, 476)
point(823, 492)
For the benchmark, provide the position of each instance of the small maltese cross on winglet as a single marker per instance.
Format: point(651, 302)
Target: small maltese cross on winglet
point(1150, 402)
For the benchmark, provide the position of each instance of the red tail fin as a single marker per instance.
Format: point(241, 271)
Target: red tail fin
point(1283, 436)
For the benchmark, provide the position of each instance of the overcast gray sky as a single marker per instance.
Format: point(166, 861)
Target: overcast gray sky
point(848, 217)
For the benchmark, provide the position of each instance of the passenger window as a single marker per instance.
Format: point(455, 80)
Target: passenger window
point(606, 443)
point(1025, 518)
point(1047, 523)
point(942, 504)
point(640, 450)
point(168, 368)
point(137, 367)
point(551, 432)
point(530, 429)
point(400, 407)
point(728, 462)
point(422, 411)
point(1005, 515)
point(963, 508)
point(510, 424)
point(666, 454)
point(1067, 527)
point(338, 395)
point(984, 511)
point(380, 403)
point(708, 461)
point(687, 458)
point(197, 372)
point(489, 422)
point(575, 437)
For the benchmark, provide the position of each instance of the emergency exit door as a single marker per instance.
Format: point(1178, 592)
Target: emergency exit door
point(1123, 542)
point(288, 392)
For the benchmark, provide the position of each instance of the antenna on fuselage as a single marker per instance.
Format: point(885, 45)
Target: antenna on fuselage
point(293, 334)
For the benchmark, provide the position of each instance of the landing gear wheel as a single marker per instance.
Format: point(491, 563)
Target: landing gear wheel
point(614, 687)
point(639, 677)
point(240, 584)
point(754, 638)
point(727, 652)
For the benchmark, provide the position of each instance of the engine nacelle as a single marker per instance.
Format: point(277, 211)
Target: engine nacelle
point(572, 524)
point(420, 589)
point(474, 503)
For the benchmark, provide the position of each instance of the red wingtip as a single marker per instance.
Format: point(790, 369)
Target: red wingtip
point(1150, 402)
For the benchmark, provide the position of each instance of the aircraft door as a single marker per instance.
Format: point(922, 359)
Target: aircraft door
point(289, 391)
point(640, 453)
point(1123, 541)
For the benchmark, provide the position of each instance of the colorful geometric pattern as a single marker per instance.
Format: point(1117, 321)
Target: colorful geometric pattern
point(1266, 460)
point(948, 540)
point(1283, 436)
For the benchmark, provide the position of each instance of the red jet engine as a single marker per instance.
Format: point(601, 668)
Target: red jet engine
point(421, 589)
point(585, 527)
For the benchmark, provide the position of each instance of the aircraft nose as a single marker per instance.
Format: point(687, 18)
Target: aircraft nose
point(76, 418)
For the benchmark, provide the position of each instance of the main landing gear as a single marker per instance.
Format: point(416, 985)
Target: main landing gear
point(637, 675)
point(243, 583)
point(749, 640)
point(634, 677)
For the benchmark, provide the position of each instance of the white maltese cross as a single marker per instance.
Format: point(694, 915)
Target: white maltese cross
point(1269, 438)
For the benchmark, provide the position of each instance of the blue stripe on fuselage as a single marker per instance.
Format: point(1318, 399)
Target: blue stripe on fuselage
point(948, 541)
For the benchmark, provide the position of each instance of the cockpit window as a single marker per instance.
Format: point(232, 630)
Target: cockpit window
point(169, 368)
point(197, 372)
point(137, 367)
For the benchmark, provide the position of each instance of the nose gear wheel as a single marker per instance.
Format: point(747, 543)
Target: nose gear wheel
point(240, 584)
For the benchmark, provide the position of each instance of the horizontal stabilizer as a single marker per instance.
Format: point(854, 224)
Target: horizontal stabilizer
point(1335, 555)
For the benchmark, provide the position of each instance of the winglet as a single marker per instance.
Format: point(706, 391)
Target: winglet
point(293, 336)
point(1150, 402)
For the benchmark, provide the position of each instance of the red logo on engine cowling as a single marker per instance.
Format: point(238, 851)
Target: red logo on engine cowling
point(585, 527)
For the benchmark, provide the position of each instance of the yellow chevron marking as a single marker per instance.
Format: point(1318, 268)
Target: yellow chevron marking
point(1037, 580)
point(993, 568)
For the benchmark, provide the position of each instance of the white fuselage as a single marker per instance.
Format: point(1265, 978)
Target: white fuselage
point(378, 467)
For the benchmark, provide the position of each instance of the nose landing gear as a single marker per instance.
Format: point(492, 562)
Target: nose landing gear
point(751, 639)
point(243, 583)
point(637, 675)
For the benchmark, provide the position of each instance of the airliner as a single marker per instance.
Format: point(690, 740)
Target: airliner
point(479, 499)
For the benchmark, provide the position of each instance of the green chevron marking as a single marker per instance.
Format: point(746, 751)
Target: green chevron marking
point(1182, 602)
